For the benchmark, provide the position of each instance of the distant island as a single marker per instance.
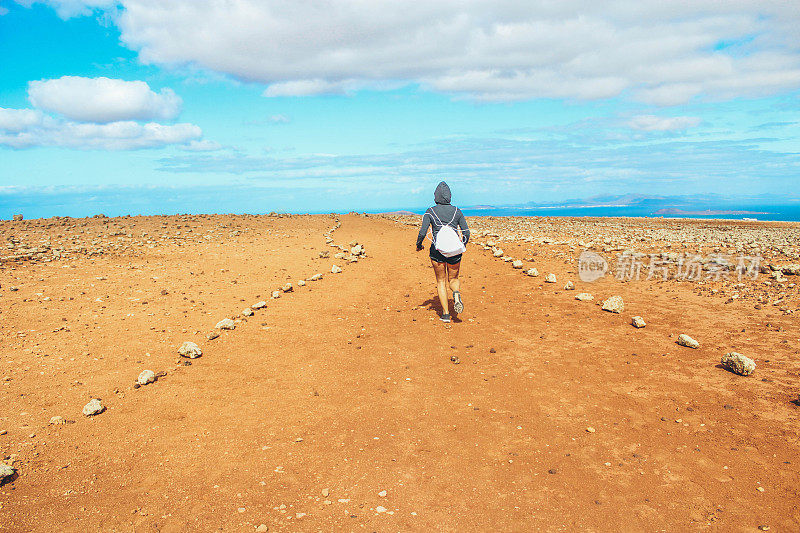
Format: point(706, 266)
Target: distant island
point(398, 213)
point(706, 212)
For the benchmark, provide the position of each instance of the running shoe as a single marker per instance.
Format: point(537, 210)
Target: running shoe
point(458, 306)
point(445, 318)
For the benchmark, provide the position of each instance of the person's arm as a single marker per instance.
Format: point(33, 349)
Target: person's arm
point(462, 223)
point(426, 222)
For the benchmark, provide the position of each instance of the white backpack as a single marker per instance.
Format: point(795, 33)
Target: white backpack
point(446, 239)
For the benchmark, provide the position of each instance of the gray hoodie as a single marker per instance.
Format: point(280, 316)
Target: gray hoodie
point(442, 213)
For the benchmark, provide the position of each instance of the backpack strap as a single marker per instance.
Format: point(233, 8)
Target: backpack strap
point(454, 216)
point(433, 214)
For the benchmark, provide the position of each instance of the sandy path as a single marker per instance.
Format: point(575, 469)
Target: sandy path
point(357, 366)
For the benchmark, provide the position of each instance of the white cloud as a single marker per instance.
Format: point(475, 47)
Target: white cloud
point(19, 120)
point(3, 11)
point(72, 8)
point(654, 123)
point(103, 100)
point(202, 146)
point(26, 128)
point(660, 52)
point(280, 119)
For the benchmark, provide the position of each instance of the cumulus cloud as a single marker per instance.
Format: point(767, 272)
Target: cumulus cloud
point(202, 146)
point(19, 120)
point(72, 8)
point(26, 128)
point(664, 53)
point(654, 123)
point(103, 100)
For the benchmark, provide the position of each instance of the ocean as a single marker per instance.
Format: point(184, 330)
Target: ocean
point(197, 200)
point(764, 212)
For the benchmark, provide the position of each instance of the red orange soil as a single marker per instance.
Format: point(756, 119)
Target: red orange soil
point(346, 384)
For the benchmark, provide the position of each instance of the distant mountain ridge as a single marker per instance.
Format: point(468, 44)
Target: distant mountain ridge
point(665, 204)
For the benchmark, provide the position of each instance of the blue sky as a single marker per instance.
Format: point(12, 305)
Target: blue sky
point(311, 106)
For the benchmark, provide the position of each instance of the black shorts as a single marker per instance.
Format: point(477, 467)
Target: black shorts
point(437, 256)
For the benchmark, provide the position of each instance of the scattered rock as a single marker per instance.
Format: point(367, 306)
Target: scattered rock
point(357, 250)
point(259, 305)
point(6, 472)
point(211, 335)
point(287, 288)
point(455, 359)
point(613, 304)
point(326, 493)
point(550, 278)
point(569, 286)
point(738, 363)
point(247, 312)
point(584, 297)
point(190, 350)
point(17, 217)
point(94, 407)
point(686, 340)
point(532, 272)
point(146, 377)
point(590, 429)
point(262, 528)
point(301, 283)
point(638, 322)
point(225, 323)
point(335, 269)
point(57, 421)
point(517, 263)
point(276, 294)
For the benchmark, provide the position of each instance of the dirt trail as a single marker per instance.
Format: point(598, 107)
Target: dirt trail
point(346, 384)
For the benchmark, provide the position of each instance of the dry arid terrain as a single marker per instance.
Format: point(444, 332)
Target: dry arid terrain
point(342, 403)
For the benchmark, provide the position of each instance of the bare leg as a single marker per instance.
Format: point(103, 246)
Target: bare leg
point(455, 286)
point(452, 274)
point(440, 270)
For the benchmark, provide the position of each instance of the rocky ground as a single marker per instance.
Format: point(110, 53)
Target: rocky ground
point(254, 373)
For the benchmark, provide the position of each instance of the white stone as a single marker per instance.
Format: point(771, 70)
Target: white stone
point(517, 263)
point(190, 349)
point(584, 297)
point(259, 305)
point(614, 304)
point(276, 294)
point(335, 269)
point(5, 472)
point(550, 278)
point(738, 363)
point(532, 272)
point(146, 377)
point(569, 286)
point(94, 407)
point(225, 323)
point(247, 312)
point(686, 340)
point(638, 322)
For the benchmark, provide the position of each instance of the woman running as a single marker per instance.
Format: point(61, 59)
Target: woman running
point(446, 268)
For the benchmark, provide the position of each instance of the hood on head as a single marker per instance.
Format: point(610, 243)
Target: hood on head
point(442, 193)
